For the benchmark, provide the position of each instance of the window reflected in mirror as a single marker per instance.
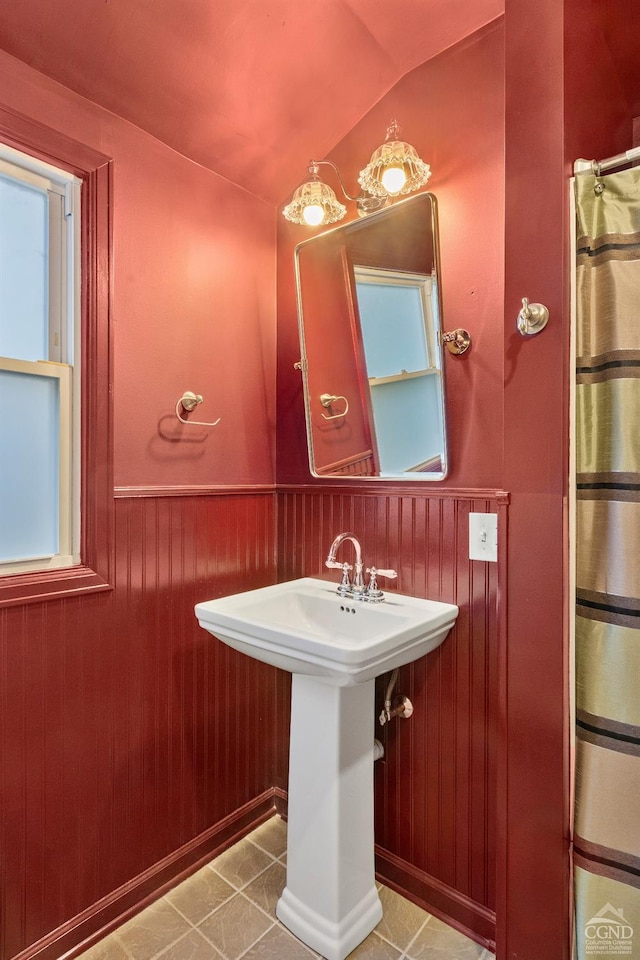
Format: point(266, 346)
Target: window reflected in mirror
point(403, 368)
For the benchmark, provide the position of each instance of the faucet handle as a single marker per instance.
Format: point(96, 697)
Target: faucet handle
point(373, 591)
point(345, 586)
point(375, 572)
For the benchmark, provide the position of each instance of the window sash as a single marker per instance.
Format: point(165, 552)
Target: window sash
point(63, 343)
point(62, 191)
point(67, 554)
point(427, 291)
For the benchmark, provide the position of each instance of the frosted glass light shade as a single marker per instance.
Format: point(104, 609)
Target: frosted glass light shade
point(401, 158)
point(314, 203)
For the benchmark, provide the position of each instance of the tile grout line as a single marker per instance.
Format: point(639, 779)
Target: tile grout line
point(251, 945)
point(268, 852)
point(247, 882)
point(168, 946)
point(211, 866)
point(288, 933)
point(206, 916)
point(117, 939)
point(261, 909)
point(404, 954)
point(165, 946)
point(236, 893)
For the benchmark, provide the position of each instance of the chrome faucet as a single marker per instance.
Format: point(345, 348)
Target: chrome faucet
point(347, 587)
point(356, 588)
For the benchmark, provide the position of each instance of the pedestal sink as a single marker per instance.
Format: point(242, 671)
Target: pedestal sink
point(334, 647)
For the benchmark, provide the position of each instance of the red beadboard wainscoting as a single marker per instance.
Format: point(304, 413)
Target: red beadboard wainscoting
point(133, 744)
point(435, 789)
point(120, 718)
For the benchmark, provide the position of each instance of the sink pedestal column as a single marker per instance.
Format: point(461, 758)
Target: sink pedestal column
point(330, 901)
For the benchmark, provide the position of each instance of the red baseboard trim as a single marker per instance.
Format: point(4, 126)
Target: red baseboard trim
point(82, 931)
point(445, 903)
point(281, 801)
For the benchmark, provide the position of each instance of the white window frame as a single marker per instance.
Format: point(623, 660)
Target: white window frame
point(63, 361)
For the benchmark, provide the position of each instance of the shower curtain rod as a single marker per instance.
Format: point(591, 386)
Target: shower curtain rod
point(599, 166)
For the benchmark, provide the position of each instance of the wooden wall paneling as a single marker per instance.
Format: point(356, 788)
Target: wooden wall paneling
point(126, 731)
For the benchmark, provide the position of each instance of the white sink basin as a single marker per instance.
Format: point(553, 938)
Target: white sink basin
point(334, 647)
point(304, 627)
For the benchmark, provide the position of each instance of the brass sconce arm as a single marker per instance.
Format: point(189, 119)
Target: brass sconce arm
point(365, 202)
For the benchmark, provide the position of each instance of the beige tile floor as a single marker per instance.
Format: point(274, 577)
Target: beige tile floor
point(226, 911)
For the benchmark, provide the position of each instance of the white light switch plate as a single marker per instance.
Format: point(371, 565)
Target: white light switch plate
point(483, 536)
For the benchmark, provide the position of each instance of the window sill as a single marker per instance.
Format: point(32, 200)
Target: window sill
point(50, 585)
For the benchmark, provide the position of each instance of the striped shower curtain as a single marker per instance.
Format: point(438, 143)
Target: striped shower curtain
point(607, 815)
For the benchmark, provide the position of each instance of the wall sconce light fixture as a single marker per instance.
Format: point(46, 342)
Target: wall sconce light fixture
point(395, 168)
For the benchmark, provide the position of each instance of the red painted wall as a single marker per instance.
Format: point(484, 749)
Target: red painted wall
point(193, 300)
point(533, 872)
point(553, 116)
point(118, 720)
point(452, 110)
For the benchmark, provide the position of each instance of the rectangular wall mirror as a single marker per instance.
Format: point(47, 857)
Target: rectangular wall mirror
point(370, 319)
